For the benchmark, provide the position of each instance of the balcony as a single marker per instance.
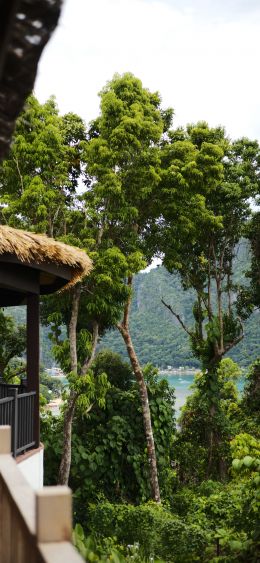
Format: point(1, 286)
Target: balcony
point(35, 526)
point(17, 409)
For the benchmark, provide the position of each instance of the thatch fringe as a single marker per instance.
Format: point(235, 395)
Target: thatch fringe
point(34, 248)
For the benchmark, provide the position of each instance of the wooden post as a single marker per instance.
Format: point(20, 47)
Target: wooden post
point(5, 448)
point(53, 514)
point(5, 439)
point(33, 354)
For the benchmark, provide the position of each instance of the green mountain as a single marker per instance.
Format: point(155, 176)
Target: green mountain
point(157, 335)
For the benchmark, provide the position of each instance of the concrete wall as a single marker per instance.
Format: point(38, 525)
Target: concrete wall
point(31, 466)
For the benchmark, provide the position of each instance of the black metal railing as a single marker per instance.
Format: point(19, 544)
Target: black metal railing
point(17, 410)
point(6, 387)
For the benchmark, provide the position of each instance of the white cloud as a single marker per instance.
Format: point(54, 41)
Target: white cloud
point(205, 67)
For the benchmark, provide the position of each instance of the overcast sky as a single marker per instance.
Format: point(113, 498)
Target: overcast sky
point(201, 55)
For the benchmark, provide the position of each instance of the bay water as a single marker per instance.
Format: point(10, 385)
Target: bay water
point(182, 384)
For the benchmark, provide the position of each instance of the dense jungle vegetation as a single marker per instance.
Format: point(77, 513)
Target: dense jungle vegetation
point(128, 188)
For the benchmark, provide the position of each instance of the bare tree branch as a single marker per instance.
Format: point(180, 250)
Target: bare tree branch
point(234, 343)
point(177, 317)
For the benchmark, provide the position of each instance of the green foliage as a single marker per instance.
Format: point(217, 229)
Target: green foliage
point(228, 371)
point(102, 297)
point(205, 187)
point(119, 373)
point(54, 384)
point(243, 445)
point(90, 389)
point(114, 445)
point(109, 453)
point(12, 347)
point(148, 190)
point(91, 551)
point(159, 533)
point(191, 447)
point(50, 387)
point(251, 395)
point(39, 178)
point(229, 513)
point(123, 164)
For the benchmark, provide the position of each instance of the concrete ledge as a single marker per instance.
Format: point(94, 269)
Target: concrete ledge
point(30, 453)
point(62, 552)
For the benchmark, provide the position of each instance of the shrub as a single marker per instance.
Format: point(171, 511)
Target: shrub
point(158, 532)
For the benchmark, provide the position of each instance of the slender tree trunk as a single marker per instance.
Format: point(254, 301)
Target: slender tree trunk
point(64, 470)
point(212, 430)
point(216, 462)
point(50, 227)
point(209, 308)
point(229, 294)
point(73, 328)
point(220, 315)
point(146, 415)
point(124, 330)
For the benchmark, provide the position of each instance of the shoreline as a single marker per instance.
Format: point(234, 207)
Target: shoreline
point(178, 372)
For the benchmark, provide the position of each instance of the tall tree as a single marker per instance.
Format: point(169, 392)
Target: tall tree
point(205, 191)
point(123, 167)
point(92, 307)
point(38, 191)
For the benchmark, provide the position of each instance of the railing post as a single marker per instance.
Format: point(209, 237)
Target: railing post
point(33, 322)
point(5, 439)
point(53, 514)
point(14, 393)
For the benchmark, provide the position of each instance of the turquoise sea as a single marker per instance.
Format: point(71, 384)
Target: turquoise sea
point(182, 382)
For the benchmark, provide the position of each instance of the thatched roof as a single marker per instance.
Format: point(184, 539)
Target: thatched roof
point(33, 249)
point(25, 28)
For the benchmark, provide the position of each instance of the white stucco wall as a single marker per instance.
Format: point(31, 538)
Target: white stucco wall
point(32, 469)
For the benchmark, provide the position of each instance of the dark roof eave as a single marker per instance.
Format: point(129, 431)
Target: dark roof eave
point(25, 28)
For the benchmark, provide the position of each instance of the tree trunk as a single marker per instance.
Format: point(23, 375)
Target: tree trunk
point(124, 330)
point(73, 328)
point(146, 414)
point(216, 463)
point(220, 316)
point(64, 470)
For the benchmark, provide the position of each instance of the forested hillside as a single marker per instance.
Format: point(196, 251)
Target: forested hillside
point(157, 335)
